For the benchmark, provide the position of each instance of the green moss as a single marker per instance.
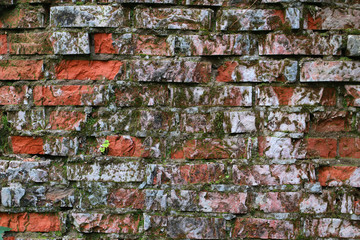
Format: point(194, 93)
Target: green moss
point(3, 230)
point(141, 222)
point(345, 59)
point(353, 31)
point(4, 133)
point(324, 34)
point(311, 9)
point(218, 124)
point(286, 29)
point(58, 233)
point(4, 64)
point(87, 128)
point(138, 101)
point(301, 237)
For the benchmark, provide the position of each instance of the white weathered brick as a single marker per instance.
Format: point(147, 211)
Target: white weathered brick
point(87, 16)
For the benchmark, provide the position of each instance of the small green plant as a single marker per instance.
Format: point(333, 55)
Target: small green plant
point(104, 147)
point(3, 230)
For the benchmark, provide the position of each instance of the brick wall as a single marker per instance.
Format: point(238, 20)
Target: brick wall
point(224, 119)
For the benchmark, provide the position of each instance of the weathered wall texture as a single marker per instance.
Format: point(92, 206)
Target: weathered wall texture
point(226, 119)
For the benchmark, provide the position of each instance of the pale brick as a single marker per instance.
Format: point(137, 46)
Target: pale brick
point(333, 19)
point(281, 148)
point(227, 44)
point(353, 45)
point(170, 71)
point(70, 43)
point(286, 122)
point(330, 71)
point(202, 96)
point(258, 71)
point(239, 122)
point(273, 174)
point(87, 16)
point(173, 18)
point(311, 44)
point(249, 19)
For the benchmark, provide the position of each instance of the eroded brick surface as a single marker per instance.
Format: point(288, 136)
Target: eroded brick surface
point(189, 119)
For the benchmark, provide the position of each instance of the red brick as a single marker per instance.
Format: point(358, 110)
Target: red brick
point(331, 121)
point(339, 175)
point(30, 43)
point(126, 198)
point(212, 149)
point(3, 44)
point(321, 147)
point(126, 146)
point(264, 228)
point(106, 223)
point(88, 70)
point(115, 43)
point(153, 45)
point(10, 95)
point(31, 222)
point(276, 96)
point(9, 238)
point(357, 207)
point(66, 120)
point(313, 44)
point(32, 17)
point(189, 174)
point(352, 95)
point(68, 95)
point(21, 70)
point(104, 43)
point(349, 147)
point(223, 202)
point(27, 145)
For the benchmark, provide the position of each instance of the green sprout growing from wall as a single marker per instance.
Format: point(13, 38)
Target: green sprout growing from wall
point(104, 147)
point(3, 230)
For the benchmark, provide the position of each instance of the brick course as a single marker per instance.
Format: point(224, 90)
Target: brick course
point(191, 119)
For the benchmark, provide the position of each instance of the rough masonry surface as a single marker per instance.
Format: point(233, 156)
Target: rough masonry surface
point(180, 119)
